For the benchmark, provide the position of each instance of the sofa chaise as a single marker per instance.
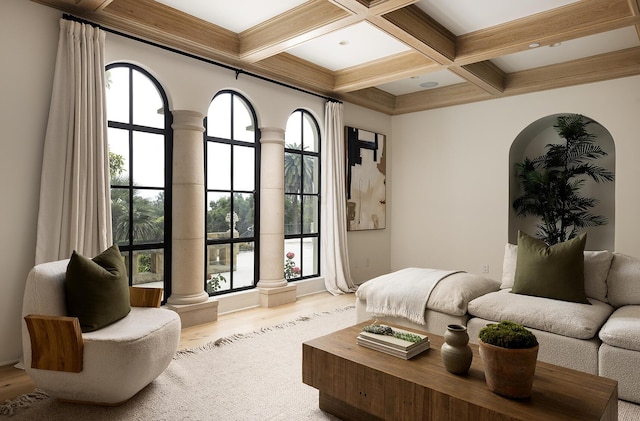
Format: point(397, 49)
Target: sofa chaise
point(600, 337)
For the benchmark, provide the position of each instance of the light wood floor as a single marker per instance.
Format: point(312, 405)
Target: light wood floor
point(14, 382)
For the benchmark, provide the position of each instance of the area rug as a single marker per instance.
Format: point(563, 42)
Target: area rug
point(255, 376)
point(248, 376)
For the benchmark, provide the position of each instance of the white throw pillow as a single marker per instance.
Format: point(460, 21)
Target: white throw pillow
point(596, 269)
point(623, 281)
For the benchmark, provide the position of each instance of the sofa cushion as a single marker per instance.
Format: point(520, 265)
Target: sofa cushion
point(596, 268)
point(623, 281)
point(452, 294)
point(97, 290)
point(566, 318)
point(555, 271)
point(622, 330)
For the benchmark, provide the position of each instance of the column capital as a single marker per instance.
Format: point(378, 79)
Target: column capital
point(187, 120)
point(271, 135)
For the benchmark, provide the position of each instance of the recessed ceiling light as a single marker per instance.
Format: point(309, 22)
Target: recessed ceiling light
point(430, 84)
point(534, 45)
point(343, 42)
point(556, 44)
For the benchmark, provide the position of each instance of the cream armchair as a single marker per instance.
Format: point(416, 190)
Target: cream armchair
point(107, 366)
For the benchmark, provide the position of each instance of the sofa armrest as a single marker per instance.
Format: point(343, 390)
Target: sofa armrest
point(56, 343)
point(145, 297)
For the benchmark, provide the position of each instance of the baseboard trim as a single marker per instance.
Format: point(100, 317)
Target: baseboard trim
point(243, 300)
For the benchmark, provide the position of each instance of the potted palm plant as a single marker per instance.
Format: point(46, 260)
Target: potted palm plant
point(551, 183)
point(509, 352)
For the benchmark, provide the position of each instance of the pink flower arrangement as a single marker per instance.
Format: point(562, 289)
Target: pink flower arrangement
point(290, 268)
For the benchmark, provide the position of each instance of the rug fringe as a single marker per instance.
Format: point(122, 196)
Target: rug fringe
point(239, 336)
point(9, 407)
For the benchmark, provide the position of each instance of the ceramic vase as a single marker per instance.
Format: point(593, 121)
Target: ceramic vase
point(455, 352)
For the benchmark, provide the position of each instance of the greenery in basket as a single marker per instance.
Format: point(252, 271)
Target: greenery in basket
point(508, 335)
point(386, 330)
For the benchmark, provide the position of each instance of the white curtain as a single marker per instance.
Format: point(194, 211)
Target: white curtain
point(75, 209)
point(335, 256)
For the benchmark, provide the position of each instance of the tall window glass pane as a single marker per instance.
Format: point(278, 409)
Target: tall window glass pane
point(139, 163)
point(232, 188)
point(302, 197)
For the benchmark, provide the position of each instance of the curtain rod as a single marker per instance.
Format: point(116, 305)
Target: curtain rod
point(238, 71)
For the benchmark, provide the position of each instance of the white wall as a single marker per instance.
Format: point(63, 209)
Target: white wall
point(28, 42)
point(28, 39)
point(450, 173)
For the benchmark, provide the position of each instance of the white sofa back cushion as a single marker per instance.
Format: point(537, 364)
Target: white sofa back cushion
point(623, 281)
point(596, 268)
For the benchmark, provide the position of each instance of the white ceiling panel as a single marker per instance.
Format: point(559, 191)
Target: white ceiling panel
point(464, 16)
point(605, 42)
point(410, 85)
point(237, 15)
point(350, 46)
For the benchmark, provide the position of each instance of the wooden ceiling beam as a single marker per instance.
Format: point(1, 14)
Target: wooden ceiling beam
point(295, 71)
point(586, 17)
point(158, 22)
point(371, 98)
point(396, 67)
point(446, 96)
point(419, 31)
point(484, 74)
point(372, 7)
point(293, 27)
point(607, 66)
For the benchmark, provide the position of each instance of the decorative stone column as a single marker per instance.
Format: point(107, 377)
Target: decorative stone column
point(188, 297)
point(274, 289)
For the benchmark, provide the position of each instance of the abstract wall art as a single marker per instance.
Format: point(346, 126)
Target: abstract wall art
point(366, 179)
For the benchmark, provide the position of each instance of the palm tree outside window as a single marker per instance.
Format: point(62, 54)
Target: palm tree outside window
point(302, 196)
point(140, 145)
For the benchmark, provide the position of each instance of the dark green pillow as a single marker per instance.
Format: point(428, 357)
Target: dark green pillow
point(97, 290)
point(555, 271)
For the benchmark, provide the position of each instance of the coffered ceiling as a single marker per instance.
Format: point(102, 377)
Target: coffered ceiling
point(394, 56)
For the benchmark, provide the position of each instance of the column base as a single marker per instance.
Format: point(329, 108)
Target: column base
point(196, 314)
point(273, 297)
point(182, 299)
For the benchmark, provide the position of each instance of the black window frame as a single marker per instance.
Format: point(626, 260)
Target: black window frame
point(232, 240)
point(129, 248)
point(302, 235)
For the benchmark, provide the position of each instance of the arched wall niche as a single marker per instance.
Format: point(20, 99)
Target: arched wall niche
point(531, 142)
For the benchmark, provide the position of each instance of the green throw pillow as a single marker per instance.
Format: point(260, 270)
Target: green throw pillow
point(555, 271)
point(97, 290)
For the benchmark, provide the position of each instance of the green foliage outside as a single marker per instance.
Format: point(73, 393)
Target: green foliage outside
point(508, 334)
point(148, 214)
point(298, 179)
point(551, 183)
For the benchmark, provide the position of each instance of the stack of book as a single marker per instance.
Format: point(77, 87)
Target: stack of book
point(392, 345)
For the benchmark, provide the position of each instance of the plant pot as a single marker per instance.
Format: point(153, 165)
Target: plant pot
point(456, 353)
point(509, 372)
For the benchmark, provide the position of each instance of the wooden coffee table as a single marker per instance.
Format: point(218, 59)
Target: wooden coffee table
point(357, 383)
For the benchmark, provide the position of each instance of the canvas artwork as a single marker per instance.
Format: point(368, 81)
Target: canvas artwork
point(366, 180)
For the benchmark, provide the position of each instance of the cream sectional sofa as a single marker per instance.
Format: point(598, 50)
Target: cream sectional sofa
point(601, 338)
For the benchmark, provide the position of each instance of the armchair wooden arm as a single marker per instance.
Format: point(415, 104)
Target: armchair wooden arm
point(145, 297)
point(56, 343)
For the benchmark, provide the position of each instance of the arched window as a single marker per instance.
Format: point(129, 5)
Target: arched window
point(140, 144)
point(302, 196)
point(232, 194)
